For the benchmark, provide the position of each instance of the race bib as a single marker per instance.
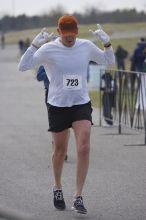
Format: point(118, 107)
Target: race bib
point(72, 82)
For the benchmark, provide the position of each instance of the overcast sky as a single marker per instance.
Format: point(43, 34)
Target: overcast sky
point(36, 7)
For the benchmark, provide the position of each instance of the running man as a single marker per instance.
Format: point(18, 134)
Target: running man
point(66, 62)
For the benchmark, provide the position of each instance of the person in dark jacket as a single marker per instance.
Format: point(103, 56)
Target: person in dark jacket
point(121, 54)
point(108, 98)
point(42, 76)
point(139, 56)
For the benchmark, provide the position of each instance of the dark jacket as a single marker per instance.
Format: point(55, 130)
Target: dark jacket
point(42, 76)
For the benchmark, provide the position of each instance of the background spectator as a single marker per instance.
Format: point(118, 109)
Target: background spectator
point(139, 56)
point(121, 54)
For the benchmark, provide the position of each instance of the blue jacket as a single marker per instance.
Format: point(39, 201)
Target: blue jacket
point(139, 57)
point(42, 76)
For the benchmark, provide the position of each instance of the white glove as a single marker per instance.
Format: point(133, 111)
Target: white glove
point(42, 38)
point(101, 35)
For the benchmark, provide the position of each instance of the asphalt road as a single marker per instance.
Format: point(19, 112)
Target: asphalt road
point(115, 188)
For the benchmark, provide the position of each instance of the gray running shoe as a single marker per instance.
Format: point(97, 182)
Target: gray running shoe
point(59, 202)
point(78, 205)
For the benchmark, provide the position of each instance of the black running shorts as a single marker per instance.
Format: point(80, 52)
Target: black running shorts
point(61, 118)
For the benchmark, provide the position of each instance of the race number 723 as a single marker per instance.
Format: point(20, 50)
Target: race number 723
point(72, 82)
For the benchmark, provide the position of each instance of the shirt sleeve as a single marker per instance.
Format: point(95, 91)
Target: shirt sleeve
point(32, 59)
point(102, 57)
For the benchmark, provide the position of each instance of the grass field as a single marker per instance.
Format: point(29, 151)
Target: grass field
point(14, 37)
point(95, 98)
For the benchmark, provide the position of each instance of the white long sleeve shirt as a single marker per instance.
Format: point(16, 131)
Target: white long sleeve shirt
point(66, 68)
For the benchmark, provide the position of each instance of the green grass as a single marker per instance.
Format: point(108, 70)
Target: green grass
point(14, 37)
point(111, 28)
point(129, 44)
point(95, 98)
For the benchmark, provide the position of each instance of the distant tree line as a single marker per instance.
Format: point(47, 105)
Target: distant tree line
point(92, 15)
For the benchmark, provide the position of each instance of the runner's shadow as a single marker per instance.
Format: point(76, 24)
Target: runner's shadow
point(119, 134)
point(135, 145)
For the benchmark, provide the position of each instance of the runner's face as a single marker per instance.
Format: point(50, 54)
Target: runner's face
point(68, 41)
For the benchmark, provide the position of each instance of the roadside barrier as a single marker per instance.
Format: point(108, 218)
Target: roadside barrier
point(123, 99)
